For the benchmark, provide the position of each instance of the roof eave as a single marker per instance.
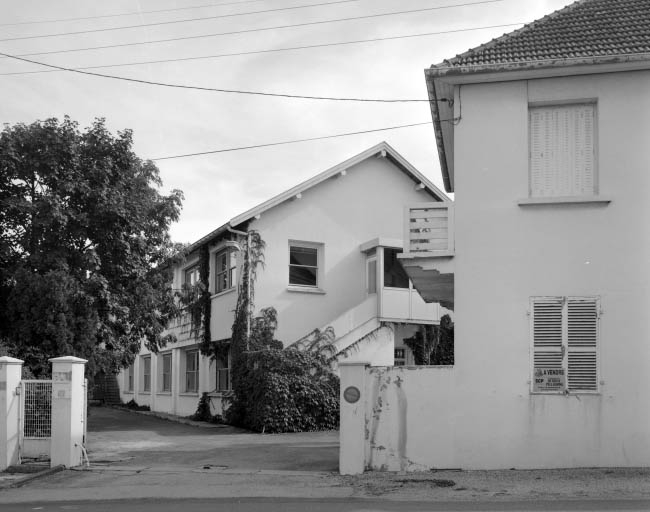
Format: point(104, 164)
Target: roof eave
point(545, 68)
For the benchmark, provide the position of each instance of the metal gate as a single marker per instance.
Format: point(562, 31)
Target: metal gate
point(35, 418)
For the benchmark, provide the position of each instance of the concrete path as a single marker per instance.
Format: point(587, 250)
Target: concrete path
point(134, 439)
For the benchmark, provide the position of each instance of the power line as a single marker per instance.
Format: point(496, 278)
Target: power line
point(236, 32)
point(136, 13)
point(216, 56)
point(294, 141)
point(172, 22)
point(232, 91)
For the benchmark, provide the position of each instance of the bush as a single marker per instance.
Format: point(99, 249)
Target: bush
point(132, 404)
point(204, 412)
point(284, 391)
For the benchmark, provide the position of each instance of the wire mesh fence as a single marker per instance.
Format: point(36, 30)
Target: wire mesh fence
point(37, 409)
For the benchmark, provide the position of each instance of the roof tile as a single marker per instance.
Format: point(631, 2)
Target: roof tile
point(584, 29)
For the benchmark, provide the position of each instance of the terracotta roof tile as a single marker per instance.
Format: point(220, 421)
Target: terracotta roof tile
point(584, 29)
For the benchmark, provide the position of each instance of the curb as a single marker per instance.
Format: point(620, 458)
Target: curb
point(33, 476)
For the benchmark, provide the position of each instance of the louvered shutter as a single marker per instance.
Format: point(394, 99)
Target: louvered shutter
point(582, 344)
point(548, 351)
point(561, 151)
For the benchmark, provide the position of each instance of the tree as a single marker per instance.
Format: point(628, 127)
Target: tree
point(433, 345)
point(83, 245)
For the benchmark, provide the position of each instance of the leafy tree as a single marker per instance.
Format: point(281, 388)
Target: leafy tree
point(432, 344)
point(83, 245)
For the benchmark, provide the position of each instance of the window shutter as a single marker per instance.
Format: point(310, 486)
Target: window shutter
point(547, 333)
point(561, 151)
point(582, 338)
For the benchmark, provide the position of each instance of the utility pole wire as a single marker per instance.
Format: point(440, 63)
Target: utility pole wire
point(233, 15)
point(295, 141)
point(135, 13)
point(253, 52)
point(213, 89)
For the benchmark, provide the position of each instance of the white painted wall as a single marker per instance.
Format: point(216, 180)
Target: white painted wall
point(480, 413)
point(341, 214)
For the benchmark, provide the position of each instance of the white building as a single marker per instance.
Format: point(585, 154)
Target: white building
point(543, 135)
point(330, 261)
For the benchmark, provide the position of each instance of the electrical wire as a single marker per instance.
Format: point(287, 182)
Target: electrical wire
point(295, 141)
point(233, 32)
point(187, 20)
point(233, 91)
point(136, 13)
point(222, 55)
point(240, 14)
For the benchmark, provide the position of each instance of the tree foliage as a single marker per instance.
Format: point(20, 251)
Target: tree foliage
point(433, 344)
point(83, 245)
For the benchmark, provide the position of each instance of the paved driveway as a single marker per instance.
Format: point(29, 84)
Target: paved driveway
point(138, 440)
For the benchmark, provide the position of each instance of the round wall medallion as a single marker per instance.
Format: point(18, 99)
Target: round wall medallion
point(351, 394)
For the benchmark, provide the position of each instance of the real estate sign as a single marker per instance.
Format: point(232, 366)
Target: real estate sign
point(549, 379)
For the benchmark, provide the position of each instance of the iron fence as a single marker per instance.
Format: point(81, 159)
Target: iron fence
point(37, 409)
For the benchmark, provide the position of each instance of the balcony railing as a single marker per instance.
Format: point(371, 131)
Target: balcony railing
point(429, 229)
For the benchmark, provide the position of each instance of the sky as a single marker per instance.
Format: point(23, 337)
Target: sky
point(174, 121)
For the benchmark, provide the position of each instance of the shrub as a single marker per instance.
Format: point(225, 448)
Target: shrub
point(284, 391)
point(132, 404)
point(204, 412)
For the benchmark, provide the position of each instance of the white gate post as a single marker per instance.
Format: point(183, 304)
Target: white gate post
point(10, 374)
point(67, 411)
point(352, 432)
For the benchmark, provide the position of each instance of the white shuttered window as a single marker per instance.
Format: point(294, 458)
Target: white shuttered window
point(562, 150)
point(564, 333)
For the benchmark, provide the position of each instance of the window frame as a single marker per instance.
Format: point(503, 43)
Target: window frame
point(565, 348)
point(163, 357)
point(191, 354)
point(533, 198)
point(146, 376)
point(129, 374)
point(320, 261)
point(191, 270)
point(224, 369)
point(230, 272)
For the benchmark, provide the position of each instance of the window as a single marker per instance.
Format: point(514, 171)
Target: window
point(303, 264)
point(371, 274)
point(394, 275)
point(192, 275)
point(146, 373)
point(225, 270)
point(562, 158)
point(166, 374)
point(223, 373)
point(191, 371)
point(399, 357)
point(129, 379)
point(565, 344)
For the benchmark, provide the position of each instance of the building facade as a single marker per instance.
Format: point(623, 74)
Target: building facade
point(330, 262)
point(543, 136)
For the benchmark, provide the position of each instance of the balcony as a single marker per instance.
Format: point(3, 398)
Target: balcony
point(429, 251)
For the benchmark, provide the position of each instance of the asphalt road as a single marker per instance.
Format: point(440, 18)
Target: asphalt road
point(347, 505)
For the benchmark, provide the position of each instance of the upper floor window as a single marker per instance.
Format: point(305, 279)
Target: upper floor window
point(191, 276)
point(562, 161)
point(303, 264)
point(225, 270)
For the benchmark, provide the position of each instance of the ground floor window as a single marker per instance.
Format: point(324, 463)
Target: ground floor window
point(166, 373)
point(565, 345)
point(128, 380)
point(223, 372)
point(191, 371)
point(146, 373)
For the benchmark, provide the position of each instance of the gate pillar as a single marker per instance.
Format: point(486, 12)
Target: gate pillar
point(352, 430)
point(68, 413)
point(10, 374)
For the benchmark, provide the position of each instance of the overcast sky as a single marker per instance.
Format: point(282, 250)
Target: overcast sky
point(169, 121)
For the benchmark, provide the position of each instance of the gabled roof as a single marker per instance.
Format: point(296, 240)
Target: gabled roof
point(586, 29)
point(381, 149)
point(610, 34)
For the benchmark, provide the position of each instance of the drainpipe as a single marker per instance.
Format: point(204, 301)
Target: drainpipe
point(248, 288)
